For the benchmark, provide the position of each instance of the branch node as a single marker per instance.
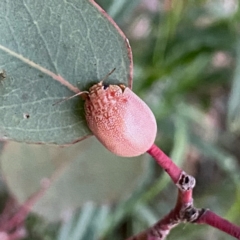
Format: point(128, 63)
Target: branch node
point(185, 182)
point(201, 212)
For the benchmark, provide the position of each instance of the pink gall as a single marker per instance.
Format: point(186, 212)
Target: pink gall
point(120, 120)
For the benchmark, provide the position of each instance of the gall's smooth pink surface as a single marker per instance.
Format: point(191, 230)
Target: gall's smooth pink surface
point(120, 120)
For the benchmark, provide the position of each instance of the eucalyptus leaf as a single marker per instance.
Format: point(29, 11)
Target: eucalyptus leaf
point(80, 173)
point(48, 51)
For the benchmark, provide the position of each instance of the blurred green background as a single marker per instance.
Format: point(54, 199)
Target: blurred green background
point(187, 68)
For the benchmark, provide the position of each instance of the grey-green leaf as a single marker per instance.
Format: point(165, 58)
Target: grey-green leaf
point(44, 44)
point(82, 172)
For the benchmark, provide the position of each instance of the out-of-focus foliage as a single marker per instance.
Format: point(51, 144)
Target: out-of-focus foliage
point(186, 67)
point(77, 175)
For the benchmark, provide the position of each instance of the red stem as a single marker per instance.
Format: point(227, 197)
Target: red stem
point(184, 210)
point(161, 229)
point(212, 219)
point(24, 210)
point(165, 162)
